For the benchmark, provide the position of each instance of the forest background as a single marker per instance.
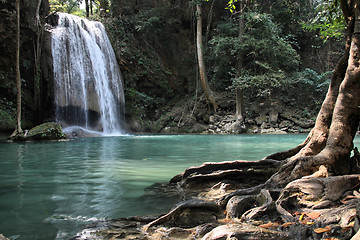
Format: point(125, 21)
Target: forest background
point(282, 61)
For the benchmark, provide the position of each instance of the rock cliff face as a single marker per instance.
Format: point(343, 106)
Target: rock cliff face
point(35, 85)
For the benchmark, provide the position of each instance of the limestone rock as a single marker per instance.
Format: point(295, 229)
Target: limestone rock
point(45, 131)
point(261, 119)
point(273, 117)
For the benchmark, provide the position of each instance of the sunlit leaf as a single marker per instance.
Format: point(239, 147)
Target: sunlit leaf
point(270, 225)
point(313, 215)
point(322, 230)
point(287, 224)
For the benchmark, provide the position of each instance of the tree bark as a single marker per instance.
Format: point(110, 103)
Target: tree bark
point(240, 116)
point(240, 105)
point(18, 80)
point(331, 140)
point(91, 7)
point(37, 20)
point(37, 56)
point(209, 21)
point(203, 76)
point(87, 7)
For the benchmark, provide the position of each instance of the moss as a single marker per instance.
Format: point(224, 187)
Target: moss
point(46, 131)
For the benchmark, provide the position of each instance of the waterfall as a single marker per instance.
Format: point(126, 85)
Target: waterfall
point(87, 81)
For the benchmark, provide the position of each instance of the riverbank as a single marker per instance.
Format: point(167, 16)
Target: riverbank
point(223, 201)
point(188, 115)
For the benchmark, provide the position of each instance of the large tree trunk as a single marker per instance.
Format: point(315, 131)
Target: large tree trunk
point(331, 140)
point(204, 81)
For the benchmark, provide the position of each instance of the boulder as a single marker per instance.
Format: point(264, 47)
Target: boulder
point(261, 119)
point(235, 127)
point(273, 117)
point(79, 132)
point(264, 125)
point(286, 124)
point(45, 131)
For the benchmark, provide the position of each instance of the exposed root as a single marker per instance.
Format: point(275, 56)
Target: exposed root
point(250, 172)
point(188, 214)
point(265, 201)
point(244, 231)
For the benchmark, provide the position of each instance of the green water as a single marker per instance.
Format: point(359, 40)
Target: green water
point(52, 190)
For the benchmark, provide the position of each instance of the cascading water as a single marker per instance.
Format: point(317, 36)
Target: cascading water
point(88, 85)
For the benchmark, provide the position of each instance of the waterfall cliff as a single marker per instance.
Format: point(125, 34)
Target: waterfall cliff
point(88, 84)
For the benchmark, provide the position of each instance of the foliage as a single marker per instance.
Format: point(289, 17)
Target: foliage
point(137, 39)
point(7, 114)
point(318, 83)
point(224, 50)
point(230, 5)
point(141, 103)
point(265, 46)
point(6, 79)
point(263, 49)
point(261, 85)
point(73, 6)
point(304, 90)
point(327, 20)
point(64, 5)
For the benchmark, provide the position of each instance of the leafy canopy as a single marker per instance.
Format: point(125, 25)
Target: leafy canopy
point(328, 20)
point(68, 6)
point(73, 6)
point(262, 48)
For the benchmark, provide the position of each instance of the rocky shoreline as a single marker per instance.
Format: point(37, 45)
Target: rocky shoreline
point(274, 123)
point(190, 116)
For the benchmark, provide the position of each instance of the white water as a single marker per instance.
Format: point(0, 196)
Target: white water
point(88, 85)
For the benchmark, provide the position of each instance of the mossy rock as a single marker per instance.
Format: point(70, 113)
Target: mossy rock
point(45, 131)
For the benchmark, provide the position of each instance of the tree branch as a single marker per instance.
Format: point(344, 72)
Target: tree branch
point(346, 10)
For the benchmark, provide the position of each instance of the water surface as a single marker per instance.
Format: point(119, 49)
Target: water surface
point(51, 190)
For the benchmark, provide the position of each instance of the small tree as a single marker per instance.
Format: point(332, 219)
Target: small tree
point(199, 45)
point(18, 129)
point(87, 8)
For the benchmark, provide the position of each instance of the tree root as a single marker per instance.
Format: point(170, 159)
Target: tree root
point(188, 214)
point(307, 207)
point(241, 171)
point(244, 231)
point(312, 207)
